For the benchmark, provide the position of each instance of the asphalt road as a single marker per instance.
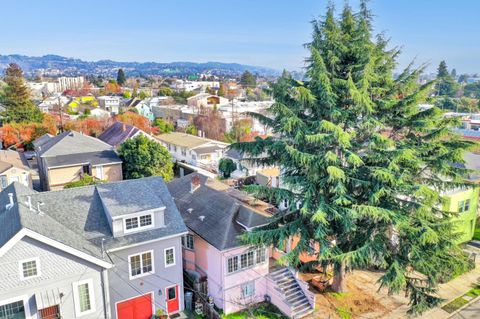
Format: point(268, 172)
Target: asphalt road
point(471, 312)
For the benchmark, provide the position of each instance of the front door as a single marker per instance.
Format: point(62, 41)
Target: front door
point(172, 299)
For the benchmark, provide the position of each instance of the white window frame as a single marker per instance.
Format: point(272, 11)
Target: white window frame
point(185, 242)
point(139, 228)
point(37, 264)
point(76, 297)
point(248, 285)
point(165, 257)
point(26, 305)
point(239, 260)
point(99, 172)
point(143, 274)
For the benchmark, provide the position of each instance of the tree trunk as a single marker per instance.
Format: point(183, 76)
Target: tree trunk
point(339, 281)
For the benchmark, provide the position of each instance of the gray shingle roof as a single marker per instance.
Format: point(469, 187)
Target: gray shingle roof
point(118, 133)
point(207, 149)
point(114, 197)
point(219, 226)
point(76, 216)
point(94, 158)
point(73, 148)
point(71, 142)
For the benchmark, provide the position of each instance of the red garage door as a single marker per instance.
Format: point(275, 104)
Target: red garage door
point(136, 308)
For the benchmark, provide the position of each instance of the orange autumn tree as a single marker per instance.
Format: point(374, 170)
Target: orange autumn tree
point(23, 134)
point(89, 126)
point(135, 119)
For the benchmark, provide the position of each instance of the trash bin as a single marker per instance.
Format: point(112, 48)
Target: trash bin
point(189, 300)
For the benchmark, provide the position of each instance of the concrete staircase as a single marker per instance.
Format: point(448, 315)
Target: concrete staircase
point(292, 292)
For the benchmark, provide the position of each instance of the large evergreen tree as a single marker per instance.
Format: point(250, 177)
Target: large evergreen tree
point(446, 84)
point(19, 106)
point(362, 167)
point(121, 77)
point(248, 79)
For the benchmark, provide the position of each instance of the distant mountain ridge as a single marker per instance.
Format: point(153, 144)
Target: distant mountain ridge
point(58, 65)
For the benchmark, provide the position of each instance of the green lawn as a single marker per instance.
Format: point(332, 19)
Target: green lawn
point(462, 301)
point(262, 310)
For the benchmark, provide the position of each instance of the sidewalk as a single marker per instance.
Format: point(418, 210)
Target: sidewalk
point(454, 289)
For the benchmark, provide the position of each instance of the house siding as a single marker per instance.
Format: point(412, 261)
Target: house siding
point(122, 288)
point(58, 177)
point(58, 271)
point(23, 176)
point(465, 222)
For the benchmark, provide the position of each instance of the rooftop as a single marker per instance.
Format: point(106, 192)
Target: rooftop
point(76, 216)
point(118, 133)
point(185, 140)
point(10, 158)
point(224, 216)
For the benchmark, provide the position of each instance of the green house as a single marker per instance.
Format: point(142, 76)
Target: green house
point(465, 201)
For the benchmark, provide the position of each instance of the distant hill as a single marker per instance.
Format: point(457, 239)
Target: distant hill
point(59, 65)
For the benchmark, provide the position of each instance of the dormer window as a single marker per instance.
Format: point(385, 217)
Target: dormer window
point(138, 223)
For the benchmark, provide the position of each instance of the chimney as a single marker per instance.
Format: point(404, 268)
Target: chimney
point(194, 183)
point(124, 127)
point(11, 202)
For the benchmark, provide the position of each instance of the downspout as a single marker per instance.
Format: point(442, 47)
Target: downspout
point(106, 294)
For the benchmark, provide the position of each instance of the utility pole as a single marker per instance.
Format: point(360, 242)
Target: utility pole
point(60, 110)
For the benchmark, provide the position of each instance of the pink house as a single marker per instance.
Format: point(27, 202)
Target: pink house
point(237, 275)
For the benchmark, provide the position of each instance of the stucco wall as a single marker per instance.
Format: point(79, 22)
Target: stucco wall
point(23, 176)
point(58, 271)
point(465, 222)
point(232, 285)
point(122, 288)
point(58, 177)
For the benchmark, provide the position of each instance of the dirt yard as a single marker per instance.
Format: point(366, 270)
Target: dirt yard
point(363, 300)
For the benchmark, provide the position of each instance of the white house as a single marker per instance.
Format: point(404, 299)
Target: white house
point(110, 103)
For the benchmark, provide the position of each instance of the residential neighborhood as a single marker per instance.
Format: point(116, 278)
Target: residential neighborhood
point(320, 170)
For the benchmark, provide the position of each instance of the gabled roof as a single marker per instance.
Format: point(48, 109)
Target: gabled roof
point(225, 218)
point(76, 217)
point(73, 148)
point(10, 158)
point(118, 133)
point(71, 142)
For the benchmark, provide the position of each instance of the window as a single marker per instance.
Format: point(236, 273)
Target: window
point(261, 255)
point(169, 257)
point(133, 223)
point(141, 264)
point(174, 148)
point(232, 264)
point(99, 172)
point(83, 296)
point(464, 206)
point(145, 220)
point(248, 289)
point(194, 157)
point(29, 268)
point(246, 260)
point(3, 180)
point(187, 242)
point(184, 151)
point(12, 310)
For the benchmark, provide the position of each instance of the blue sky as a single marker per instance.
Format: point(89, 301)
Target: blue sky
point(258, 32)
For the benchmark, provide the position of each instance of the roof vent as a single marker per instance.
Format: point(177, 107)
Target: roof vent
point(190, 210)
point(11, 202)
point(202, 218)
point(29, 202)
point(39, 204)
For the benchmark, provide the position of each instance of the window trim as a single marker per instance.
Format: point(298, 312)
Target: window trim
point(37, 265)
point(76, 297)
point(185, 242)
point(246, 284)
point(143, 274)
point(165, 257)
point(23, 298)
point(239, 260)
point(139, 228)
